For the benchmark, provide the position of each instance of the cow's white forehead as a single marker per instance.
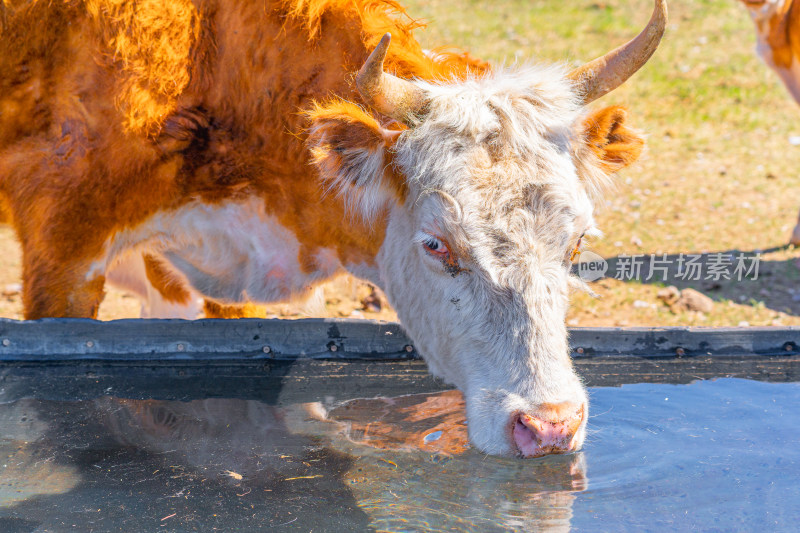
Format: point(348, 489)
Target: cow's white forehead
point(474, 104)
point(518, 116)
point(499, 147)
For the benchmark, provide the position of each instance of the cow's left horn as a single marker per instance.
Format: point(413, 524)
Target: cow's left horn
point(390, 95)
point(606, 73)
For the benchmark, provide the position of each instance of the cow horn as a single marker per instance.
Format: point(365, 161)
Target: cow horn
point(390, 95)
point(608, 72)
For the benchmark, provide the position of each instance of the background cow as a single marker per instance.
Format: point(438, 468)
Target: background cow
point(230, 143)
point(778, 43)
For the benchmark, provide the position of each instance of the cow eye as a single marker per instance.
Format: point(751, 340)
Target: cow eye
point(435, 246)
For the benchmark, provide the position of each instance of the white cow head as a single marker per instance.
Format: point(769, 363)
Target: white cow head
point(485, 196)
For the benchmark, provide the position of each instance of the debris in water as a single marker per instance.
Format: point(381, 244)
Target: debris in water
point(389, 462)
point(234, 475)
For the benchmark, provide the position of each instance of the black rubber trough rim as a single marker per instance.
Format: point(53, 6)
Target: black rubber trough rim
point(289, 361)
point(249, 340)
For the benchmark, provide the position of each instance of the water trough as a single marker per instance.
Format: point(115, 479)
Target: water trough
point(336, 425)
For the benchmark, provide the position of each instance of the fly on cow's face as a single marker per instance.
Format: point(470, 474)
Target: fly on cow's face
point(577, 250)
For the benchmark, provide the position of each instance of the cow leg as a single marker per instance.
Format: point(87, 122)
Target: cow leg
point(65, 198)
point(51, 289)
point(161, 294)
point(796, 234)
point(58, 253)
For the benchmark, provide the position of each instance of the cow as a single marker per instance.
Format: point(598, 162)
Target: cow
point(250, 150)
point(778, 44)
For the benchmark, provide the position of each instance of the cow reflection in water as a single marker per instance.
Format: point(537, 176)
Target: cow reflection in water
point(414, 465)
point(230, 438)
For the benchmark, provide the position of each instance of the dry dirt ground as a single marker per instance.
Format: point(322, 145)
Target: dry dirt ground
point(720, 174)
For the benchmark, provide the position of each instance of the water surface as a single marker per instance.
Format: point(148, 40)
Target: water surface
point(717, 455)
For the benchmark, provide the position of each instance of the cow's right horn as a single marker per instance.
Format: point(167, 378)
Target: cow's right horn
point(608, 72)
point(390, 95)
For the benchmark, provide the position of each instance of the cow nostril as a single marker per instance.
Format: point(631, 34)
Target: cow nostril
point(550, 429)
point(524, 438)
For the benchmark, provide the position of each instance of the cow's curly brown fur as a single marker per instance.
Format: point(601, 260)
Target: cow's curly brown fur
point(112, 110)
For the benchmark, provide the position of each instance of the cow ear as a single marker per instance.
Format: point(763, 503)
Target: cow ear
point(353, 154)
point(606, 135)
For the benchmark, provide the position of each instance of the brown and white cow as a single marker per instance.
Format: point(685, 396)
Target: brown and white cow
point(778, 44)
point(231, 145)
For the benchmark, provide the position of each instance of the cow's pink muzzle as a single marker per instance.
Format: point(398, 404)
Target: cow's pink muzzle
point(551, 429)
